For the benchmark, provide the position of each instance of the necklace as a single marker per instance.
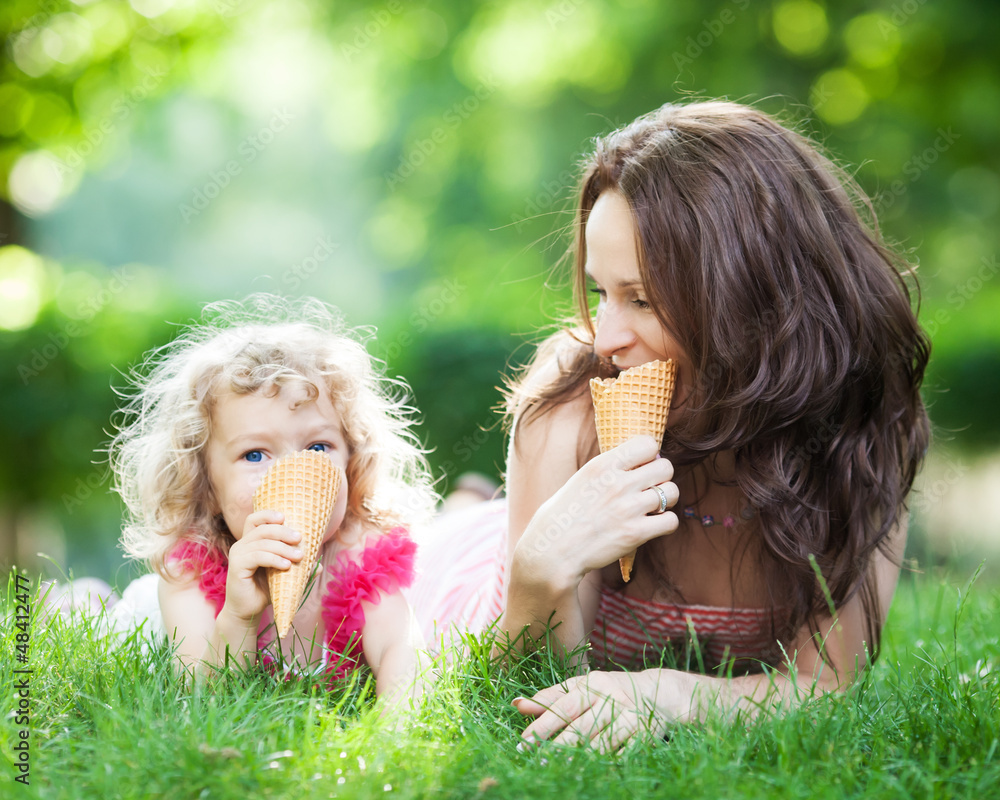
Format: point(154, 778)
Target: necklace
point(707, 520)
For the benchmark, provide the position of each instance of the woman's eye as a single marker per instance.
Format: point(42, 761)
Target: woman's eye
point(320, 447)
point(253, 456)
point(641, 304)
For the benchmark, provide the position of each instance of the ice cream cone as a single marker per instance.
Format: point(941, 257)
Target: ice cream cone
point(304, 487)
point(636, 402)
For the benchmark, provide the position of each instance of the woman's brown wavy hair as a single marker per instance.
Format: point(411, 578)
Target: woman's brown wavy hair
point(796, 318)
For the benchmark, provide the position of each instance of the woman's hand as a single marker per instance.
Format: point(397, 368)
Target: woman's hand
point(603, 512)
point(606, 709)
point(265, 543)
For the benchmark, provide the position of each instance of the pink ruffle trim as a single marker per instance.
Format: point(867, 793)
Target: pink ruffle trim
point(385, 567)
point(210, 564)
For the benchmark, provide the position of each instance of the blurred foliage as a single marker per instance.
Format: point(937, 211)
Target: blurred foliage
point(455, 375)
point(414, 163)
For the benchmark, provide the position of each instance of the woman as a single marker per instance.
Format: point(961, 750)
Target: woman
point(712, 235)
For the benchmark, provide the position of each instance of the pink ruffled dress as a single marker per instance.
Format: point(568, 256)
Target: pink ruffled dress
point(460, 584)
point(385, 566)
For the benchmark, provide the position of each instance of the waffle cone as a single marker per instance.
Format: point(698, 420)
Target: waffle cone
point(636, 402)
point(304, 487)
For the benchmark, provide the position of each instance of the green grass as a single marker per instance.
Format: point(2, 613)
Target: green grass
point(108, 720)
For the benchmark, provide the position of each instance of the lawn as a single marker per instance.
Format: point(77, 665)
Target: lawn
point(109, 720)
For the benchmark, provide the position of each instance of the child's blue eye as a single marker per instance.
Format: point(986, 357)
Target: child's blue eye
point(253, 456)
point(319, 447)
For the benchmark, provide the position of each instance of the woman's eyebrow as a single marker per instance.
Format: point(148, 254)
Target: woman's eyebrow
point(620, 284)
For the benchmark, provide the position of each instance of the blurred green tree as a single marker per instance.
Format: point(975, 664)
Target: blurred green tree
point(424, 182)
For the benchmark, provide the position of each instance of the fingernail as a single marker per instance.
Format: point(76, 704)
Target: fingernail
point(297, 553)
point(517, 700)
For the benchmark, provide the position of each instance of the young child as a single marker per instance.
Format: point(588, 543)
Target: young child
point(212, 411)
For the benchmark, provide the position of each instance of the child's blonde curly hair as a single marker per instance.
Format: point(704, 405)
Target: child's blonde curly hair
point(259, 344)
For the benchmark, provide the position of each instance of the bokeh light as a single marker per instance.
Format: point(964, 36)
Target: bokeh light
point(800, 26)
point(38, 182)
point(23, 285)
point(839, 96)
point(872, 40)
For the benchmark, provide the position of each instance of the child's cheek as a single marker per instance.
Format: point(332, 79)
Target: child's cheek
point(339, 511)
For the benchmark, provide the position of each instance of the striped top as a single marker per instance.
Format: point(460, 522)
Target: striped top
point(461, 584)
point(630, 632)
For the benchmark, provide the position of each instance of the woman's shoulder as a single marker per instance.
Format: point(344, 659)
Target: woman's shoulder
point(565, 427)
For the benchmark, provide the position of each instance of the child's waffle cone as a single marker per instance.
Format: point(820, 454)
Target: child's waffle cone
point(636, 402)
point(303, 486)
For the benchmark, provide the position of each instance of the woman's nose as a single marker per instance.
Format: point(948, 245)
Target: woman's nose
point(614, 334)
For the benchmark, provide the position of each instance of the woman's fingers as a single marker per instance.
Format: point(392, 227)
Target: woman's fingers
point(634, 452)
point(622, 728)
point(657, 472)
point(598, 714)
point(544, 699)
point(660, 497)
point(575, 712)
point(554, 708)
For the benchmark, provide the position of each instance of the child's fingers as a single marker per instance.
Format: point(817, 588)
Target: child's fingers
point(269, 524)
point(254, 554)
point(266, 516)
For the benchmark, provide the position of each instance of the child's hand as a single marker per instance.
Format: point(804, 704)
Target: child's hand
point(265, 543)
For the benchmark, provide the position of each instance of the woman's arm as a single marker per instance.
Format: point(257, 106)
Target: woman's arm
point(541, 459)
point(607, 708)
point(567, 521)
